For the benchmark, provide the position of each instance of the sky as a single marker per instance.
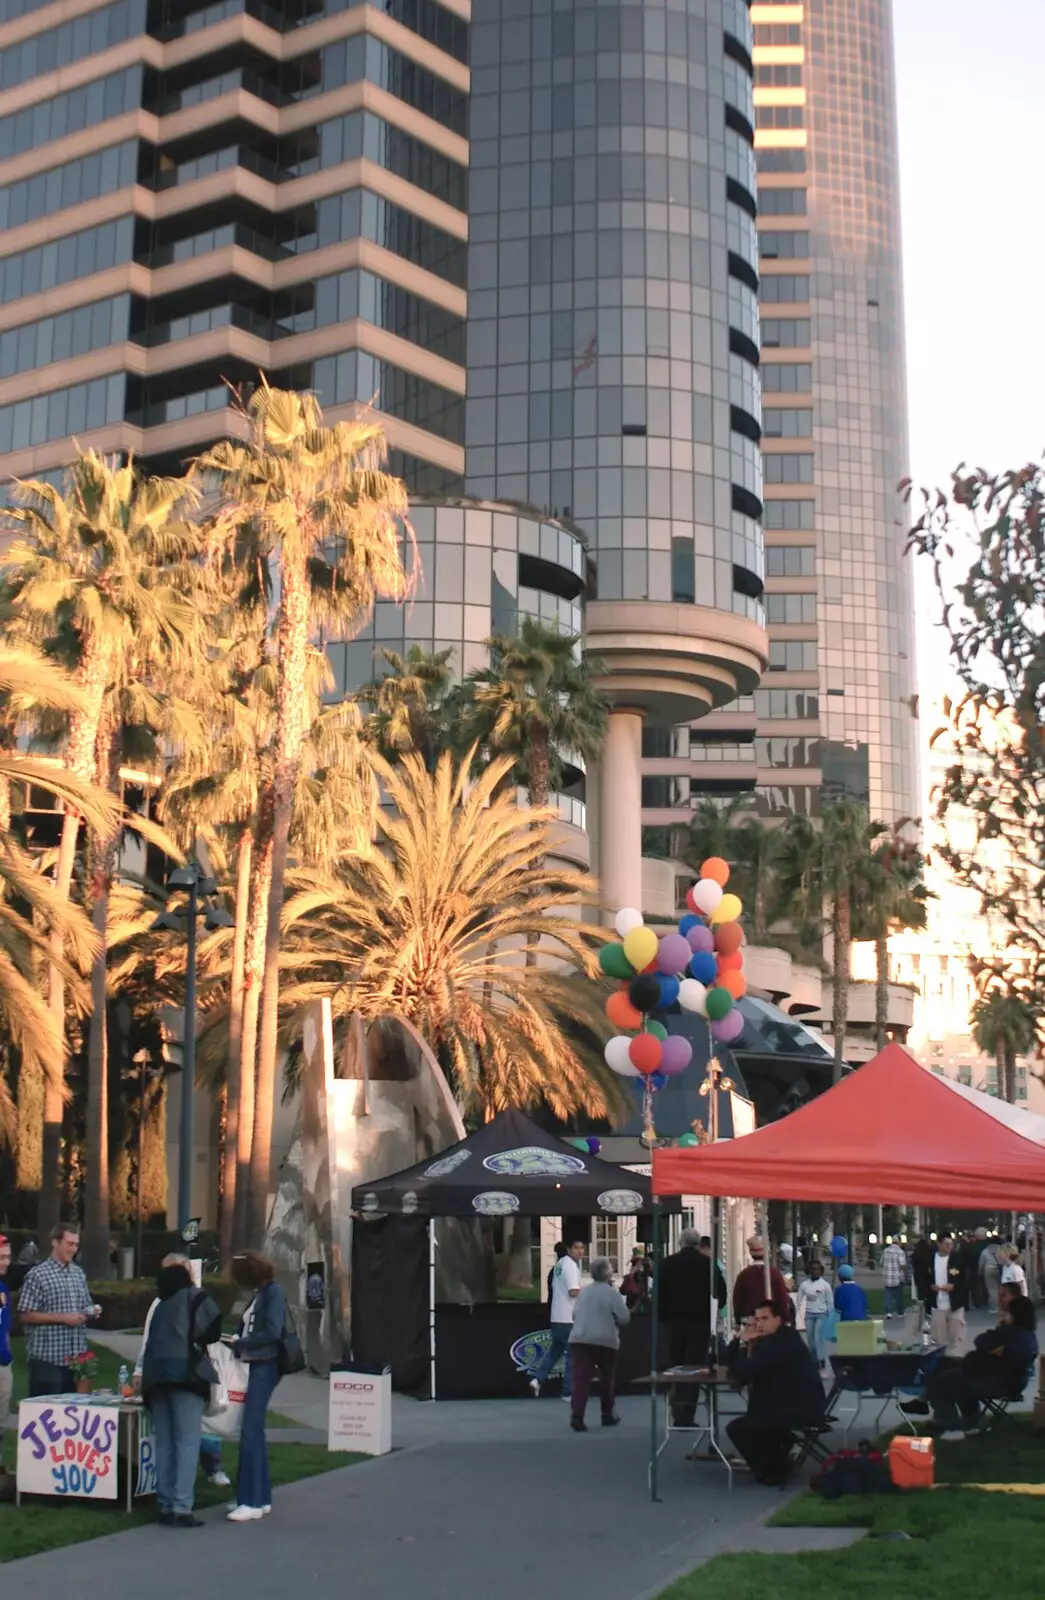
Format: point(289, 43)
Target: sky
point(972, 136)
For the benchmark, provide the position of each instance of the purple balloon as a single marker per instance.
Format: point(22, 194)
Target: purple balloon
point(673, 954)
point(676, 1054)
point(730, 1028)
point(701, 940)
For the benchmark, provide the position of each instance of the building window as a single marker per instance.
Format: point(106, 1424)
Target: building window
point(779, 116)
point(789, 515)
point(787, 705)
point(790, 560)
point(783, 245)
point(784, 332)
point(787, 422)
point(781, 202)
point(776, 75)
point(787, 469)
point(784, 288)
point(790, 607)
point(792, 655)
point(787, 377)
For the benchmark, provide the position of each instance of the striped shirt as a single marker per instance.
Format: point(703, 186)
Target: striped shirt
point(55, 1288)
point(894, 1266)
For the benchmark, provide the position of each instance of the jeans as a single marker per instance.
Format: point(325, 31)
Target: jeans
point(210, 1455)
point(815, 1337)
point(47, 1377)
point(955, 1399)
point(587, 1360)
point(559, 1346)
point(176, 1416)
point(252, 1480)
point(894, 1306)
point(6, 1384)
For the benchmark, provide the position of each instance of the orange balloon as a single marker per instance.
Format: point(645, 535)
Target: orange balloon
point(622, 1013)
point(731, 962)
point(716, 869)
point(733, 982)
point(729, 936)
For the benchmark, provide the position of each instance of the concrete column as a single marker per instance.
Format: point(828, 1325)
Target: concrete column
point(620, 812)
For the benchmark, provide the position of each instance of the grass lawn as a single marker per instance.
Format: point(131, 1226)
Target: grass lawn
point(962, 1539)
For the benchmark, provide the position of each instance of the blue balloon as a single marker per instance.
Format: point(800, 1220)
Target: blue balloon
point(658, 1080)
point(669, 991)
point(687, 922)
point(703, 967)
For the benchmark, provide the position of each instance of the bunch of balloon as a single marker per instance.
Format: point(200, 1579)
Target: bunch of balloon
point(650, 971)
point(717, 968)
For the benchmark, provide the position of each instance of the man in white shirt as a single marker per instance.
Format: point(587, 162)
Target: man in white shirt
point(566, 1286)
point(947, 1298)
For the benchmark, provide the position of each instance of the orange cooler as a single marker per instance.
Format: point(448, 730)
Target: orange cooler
point(912, 1462)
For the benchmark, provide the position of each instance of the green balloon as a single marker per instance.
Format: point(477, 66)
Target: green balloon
point(657, 1029)
point(719, 1004)
point(687, 1141)
point(614, 962)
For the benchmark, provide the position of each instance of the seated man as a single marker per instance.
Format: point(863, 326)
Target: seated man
point(997, 1367)
point(850, 1300)
point(784, 1392)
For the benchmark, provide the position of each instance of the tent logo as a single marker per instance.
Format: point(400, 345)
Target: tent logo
point(620, 1200)
point(531, 1161)
point(528, 1351)
point(447, 1164)
point(409, 1203)
point(495, 1203)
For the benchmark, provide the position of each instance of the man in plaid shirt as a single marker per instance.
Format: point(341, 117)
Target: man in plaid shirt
point(894, 1276)
point(54, 1306)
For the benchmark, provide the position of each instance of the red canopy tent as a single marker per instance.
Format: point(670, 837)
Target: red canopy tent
point(888, 1134)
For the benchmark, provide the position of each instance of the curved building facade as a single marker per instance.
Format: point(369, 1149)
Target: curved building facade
point(613, 343)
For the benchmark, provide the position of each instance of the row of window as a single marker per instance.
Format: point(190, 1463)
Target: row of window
point(355, 375)
point(785, 333)
point(796, 752)
point(790, 560)
point(779, 76)
point(61, 413)
point(792, 655)
point(787, 377)
point(779, 705)
point(790, 607)
point(780, 116)
point(71, 184)
point(789, 514)
point(787, 469)
point(69, 113)
point(780, 160)
point(784, 288)
point(783, 245)
point(782, 202)
point(778, 33)
point(362, 134)
point(349, 60)
point(427, 18)
point(65, 260)
point(787, 422)
point(71, 41)
point(70, 333)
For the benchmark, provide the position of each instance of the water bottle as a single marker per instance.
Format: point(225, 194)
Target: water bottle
point(122, 1379)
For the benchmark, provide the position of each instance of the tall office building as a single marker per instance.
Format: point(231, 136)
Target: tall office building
point(836, 713)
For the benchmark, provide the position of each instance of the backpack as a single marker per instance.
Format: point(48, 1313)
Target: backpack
point(861, 1471)
point(290, 1357)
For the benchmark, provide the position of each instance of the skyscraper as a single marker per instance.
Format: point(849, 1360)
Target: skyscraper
point(836, 713)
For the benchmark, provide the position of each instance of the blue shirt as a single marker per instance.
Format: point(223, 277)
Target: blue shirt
point(5, 1325)
point(851, 1303)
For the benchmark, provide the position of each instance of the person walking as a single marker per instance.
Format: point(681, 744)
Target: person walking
point(566, 1286)
point(894, 1276)
point(1011, 1271)
point(850, 1299)
point(922, 1267)
point(814, 1295)
point(685, 1310)
point(6, 1359)
point(598, 1316)
point(54, 1305)
point(176, 1377)
point(210, 1447)
point(947, 1298)
point(259, 1344)
point(990, 1267)
point(749, 1290)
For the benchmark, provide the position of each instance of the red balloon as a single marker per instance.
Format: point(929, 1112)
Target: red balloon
point(731, 963)
point(728, 936)
point(734, 983)
point(645, 1052)
point(691, 903)
point(622, 1013)
point(653, 967)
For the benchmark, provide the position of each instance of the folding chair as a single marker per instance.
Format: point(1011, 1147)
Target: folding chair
point(812, 1446)
point(997, 1410)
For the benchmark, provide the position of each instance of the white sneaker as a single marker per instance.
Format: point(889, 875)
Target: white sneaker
point(247, 1513)
point(566, 1397)
point(265, 1510)
point(219, 1479)
point(952, 1436)
point(535, 1385)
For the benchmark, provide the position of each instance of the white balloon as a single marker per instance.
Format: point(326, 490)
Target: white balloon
point(693, 996)
point(706, 895)
point(618, 1057)
point(627, 919)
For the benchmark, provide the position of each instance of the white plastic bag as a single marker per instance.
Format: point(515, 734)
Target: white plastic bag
point(224, 1415)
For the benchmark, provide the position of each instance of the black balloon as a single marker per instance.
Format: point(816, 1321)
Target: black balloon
point(644, 991)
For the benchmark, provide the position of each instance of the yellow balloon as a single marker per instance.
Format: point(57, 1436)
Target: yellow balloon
point(640, 946)
point(727, 910)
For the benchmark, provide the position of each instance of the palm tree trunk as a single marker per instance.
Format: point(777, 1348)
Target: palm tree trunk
point(881, 991)
point(291, 713)
point(253, 970)
point(230, 1141)
point(538, 788)
point(96, 1185)
point(841, 929)
point(1009, 1062)
point(50, 1208)
point(758, 927)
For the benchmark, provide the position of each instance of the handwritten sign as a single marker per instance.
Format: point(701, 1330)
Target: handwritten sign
point(145, 1481)
point(68, 1449)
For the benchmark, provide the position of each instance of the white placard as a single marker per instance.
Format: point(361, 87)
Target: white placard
point(145, 1480)
point(360, 1412)
point(68, 1448)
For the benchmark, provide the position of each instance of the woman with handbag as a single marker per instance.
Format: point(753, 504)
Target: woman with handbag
point(176, 1377)
point(261, 1344)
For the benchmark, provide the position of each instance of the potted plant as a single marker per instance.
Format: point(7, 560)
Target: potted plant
point(85, 1369)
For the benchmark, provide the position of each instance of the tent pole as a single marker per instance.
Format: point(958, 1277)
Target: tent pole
point(654, 1318)
point(431, 1304)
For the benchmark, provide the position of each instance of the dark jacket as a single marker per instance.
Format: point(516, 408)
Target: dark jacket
point(959, 1284)
point(685, 1287)
point(1003, 1357)
point(749, 1292)
point(185, 1320)
point(784, 1387)
point(266, 1334)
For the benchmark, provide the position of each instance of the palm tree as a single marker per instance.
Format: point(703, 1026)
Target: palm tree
point(824, 866)
point(538, 703)
point(430, 925)
point(891, 895)
point(409, 706)
point(1004, 1025)
point(104, 574)
point(756, 852)
point(322, 510)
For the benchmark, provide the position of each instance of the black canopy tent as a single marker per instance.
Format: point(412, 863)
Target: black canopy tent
point(510, 1167)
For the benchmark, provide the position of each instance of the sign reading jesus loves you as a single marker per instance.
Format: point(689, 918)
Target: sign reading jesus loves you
point(68, 1449)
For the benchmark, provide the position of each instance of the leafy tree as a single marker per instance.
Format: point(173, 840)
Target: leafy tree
point(412, 706)
point(891, 894)
point(430, 925)
point(325, 515)
point(990, 529)
point(1004, 1026)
